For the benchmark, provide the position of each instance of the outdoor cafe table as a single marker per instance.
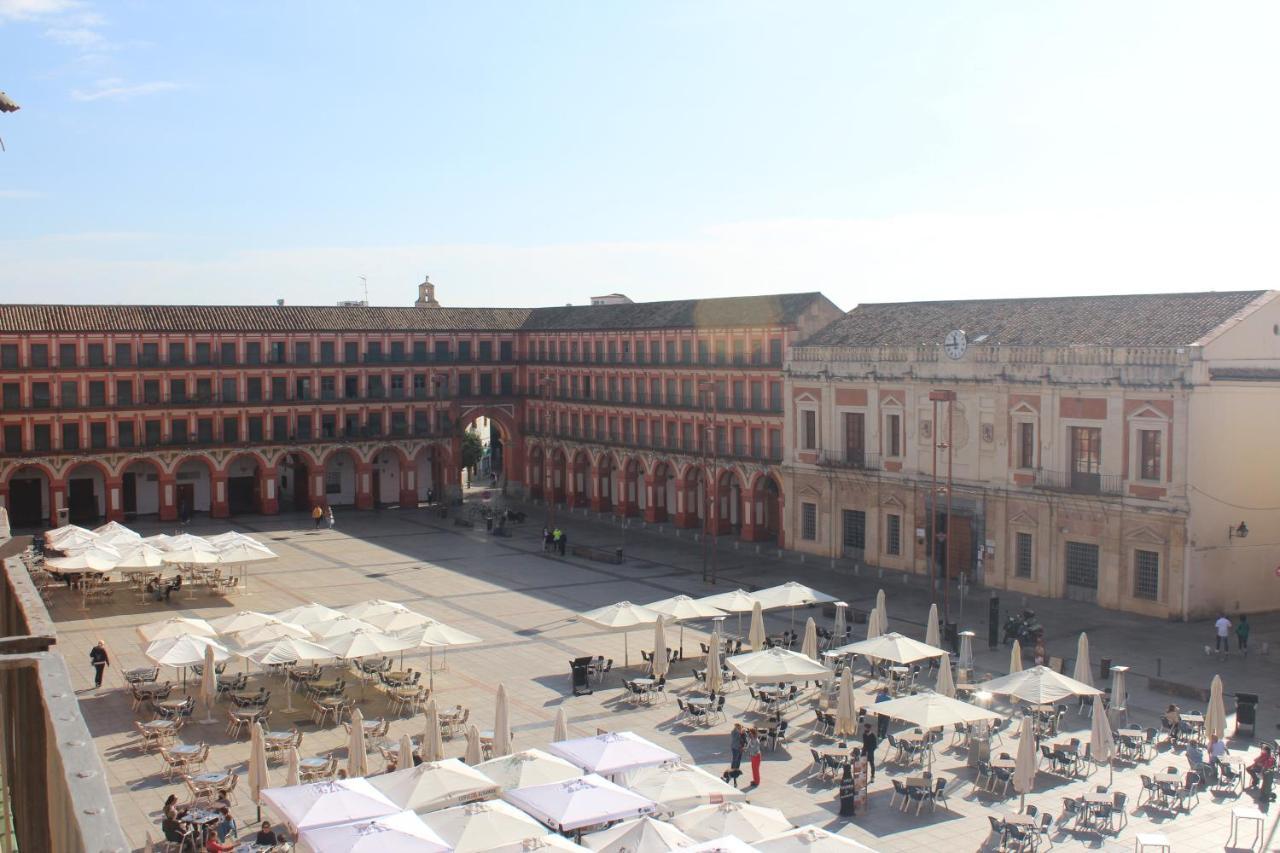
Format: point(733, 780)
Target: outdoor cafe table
point(184, 749)
point(1131, 741)
point(160, 725)
point(201, 817)
point(396, 679)
point(324, 686)
point(1196, 722)
point(313, 763)
point(1166, 778)
point(1004, 763)
point(212, 779)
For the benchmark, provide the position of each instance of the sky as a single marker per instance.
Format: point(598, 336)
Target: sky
point(539, 153)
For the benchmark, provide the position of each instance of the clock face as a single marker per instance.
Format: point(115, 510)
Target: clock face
point(955, 343)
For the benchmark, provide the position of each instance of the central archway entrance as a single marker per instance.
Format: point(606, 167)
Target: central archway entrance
point(484, 452)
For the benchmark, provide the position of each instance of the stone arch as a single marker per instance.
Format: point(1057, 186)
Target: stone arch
point(507, 450)
point(763, 522)
point(390, 476)
point(579, 478)
point(247, 476)
point(691, 495)
point(140, 478)
point(27, 492)
point(558, 474)
point(193, 477)
point(296, 471)
point(660, 488)
point(605, 482)
point(341, 468)
point(536, 456)
point(730, 497)
point(87, 484)
point(430, 462)
point(632, 497)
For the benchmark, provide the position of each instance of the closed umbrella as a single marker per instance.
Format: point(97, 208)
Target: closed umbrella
point(501, 724)
point(1024, 768)
point(841, 625)
point(1215, 716)
point(873, 624)
point(755, 635)
point(432, 744)
point(208, 686)
point(846, 721)
point(472, 755)
point(661, 661)
point(1081, 672)
point(291, 774)
point(883, 610)
point(1015, 658)
point(259, 778)
point(715, 679)
point(406, 752)
point(945, 685)
point(357, 761)
point(1102, 744)
point(932, 636)
point(562, 725)
point(809, 646)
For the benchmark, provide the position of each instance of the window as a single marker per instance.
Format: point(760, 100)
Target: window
point(326, 352)
point(255, 428)
point(504, 350)
point(177, 390)
point(40, 437)
point(351, 351)
point(12, 395)
point(226, 353)
point(893, 435)
point(1149, 441)
point(1146, 575)
point(97, 393)
point(97, 355)
point(855, 437)
point(809, 521)
point(333, 482)
point(9, 356)
point(854, 527)
point(204, 430)
point(66, 355)
point(68, 395)
point(893, 534)
point(253, 352)
point(1082, 570)
point(808, 430)
point(1026, 444)
point(151, 433)
point(124, 392)
point(40, 395)
point(71, 436)
point(1024, 554)
point(12, 438)
point(39, 355)
point(204, 353)
point(177, 354)
point(280, 427)
point(230, 430)
point(229, 390)
point(1086, 450)
point(302, 352)
point(178, 431)
point(486, 351)
point(464, 350)
point(124, 434)
point(151, 391)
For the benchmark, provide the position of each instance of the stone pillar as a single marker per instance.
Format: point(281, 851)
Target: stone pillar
point(115, 499)
point(218, 506)
point(168, 497)
point(626, 506)
point(599, 500)
point(268, 490)
point(364, 485)
point(652, 512)
point(408, 484)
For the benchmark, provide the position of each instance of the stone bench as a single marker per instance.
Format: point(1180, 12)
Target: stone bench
point(599, 555)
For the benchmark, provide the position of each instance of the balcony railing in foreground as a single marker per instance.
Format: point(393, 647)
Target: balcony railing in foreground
point(1079, 482)
point(54, 786)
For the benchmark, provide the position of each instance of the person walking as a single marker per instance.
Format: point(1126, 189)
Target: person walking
point(98, 657)
point(882, 723)
point(546, 539)
point(1242, 635)
point(869, 744)
point(329, 517)
point(751, 750)
point(317, 513)
point(555, 540)
point(736, 739)
point(1223, 626)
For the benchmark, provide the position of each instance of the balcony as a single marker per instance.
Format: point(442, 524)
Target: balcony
point(1079, 482)
point(852, 458)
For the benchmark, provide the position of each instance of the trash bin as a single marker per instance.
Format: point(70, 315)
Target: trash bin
point(63, 517)
point(1246, 713)
point(1104, 668)
point(580, 667)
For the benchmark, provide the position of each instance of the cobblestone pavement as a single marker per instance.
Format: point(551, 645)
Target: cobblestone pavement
point(521, 601)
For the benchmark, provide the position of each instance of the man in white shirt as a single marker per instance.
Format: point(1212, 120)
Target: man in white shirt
point(1224, 630)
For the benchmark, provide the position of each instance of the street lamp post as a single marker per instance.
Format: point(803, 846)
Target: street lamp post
point(949, 398)
point(547, 385)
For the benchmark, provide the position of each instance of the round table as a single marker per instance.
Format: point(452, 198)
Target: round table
point(184, 749)
point(698, 700)
point(309, 763)
point(214, 778)
point(172, 704)
point(159, 725)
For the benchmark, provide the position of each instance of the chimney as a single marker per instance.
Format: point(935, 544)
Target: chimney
point(426, 294)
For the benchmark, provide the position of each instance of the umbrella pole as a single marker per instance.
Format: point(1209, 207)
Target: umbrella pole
point(626, 650)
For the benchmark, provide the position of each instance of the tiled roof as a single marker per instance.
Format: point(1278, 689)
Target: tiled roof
point(685, 313)
point(1165, 319)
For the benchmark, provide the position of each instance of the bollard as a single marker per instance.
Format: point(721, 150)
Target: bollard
point(1159, 666)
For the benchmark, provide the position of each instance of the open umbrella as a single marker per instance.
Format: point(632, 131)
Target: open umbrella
point(873, 624)
point(472, 755)
point(176, 626)
point(486, 826)
point(1102, 744)
point(365, 642)
point(755, 635)
point(357, 761)
point(259, 778)
point(612, 752)
point(396, 833)
point(501, 723)
point(562, 725)
point(739, 601)
point(307, 615)
point(240, 550)
point(846, 719)
point(1015, 657)
point(676, 786)
point(1081, 672)
point(139, 555)
point(575, 803)
point(434, 635)
point(883, 610)
point(97, 557)
point(1215, 716)
point(315, 804)
point(291, 773)
point(251, 637)
point(1024, 768)
point(339, 626)
point(809, 646)
point(945, 686)
point(183, 652)
point(807, 839)
point(724, 844)
point(932, 637)
point(68, 533)
point(741, 820)
point(405, 759)
point(1038, 685)
point(931, 711)
point(622, 616)
point(374, 607)
point(645, 835)
point(432, 745)
point(682, 608)
point(840, 626)
point(776, 665)
point(396, 621)
point(434, 785)
point(187, 550)
point(792, 595)
point(242, 620)
point(661, 660)
point(715, 676)
point(893, 647)
point(208, 686)
point(528, 767)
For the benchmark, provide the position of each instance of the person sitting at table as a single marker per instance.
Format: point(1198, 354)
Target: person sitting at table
point(1217, 748)
point(213, 845)
point(171, 807)
point(1172, 721)
point(227, 825)
point(1262, 764)
point(1195, 755)
point(174, 832)
point(265, 836)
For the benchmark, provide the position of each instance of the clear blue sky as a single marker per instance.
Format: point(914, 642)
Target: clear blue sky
point(540, 152)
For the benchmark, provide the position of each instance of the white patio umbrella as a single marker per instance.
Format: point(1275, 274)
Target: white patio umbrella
point(58, 536)
point(175, 626)
point(622, 616)
point(365, 642)
point(575, 803)
point(286, 650)
point(1024, 768)
point(846, 718)
point(724, 844)
point(741, 820)
point(681, 609)
point(434, 635)
point(432, 743)
point(873, 624)
point(188, 550)
point(1038, 685)
point(561, 731)
point(791, 594)
point(840, 626)
point(374, 607)
point(241, 551)
point(932, 636)
point(807, 839)
point(339, 626)
point(291, 771)
point(472, 755)
point(183, 652)
point(397, 621)
point(259, 777)
point(738, 601)
point(893, 647)
point(809, 646)
point(158, 540)
point(139, 555)
point(115, 533)
point(434, 785)
point(715, 674)
point(501, 723)
point(612, 752)
point(777, 664)
point(405, 758)
point(1015, 657)
point(930, 711)
point(357, 761)
point(945, 685)
point(486, 826)
point(677, 786)
point(208, 686)
point(253, 637)
point(883, 609)
point(303, 807)
point(550, 841)
point(1215, 715)
point(242, 620)
point(526, 768)
point(97, 557)
point(1082, 671)
point(645, 835)
point(1102, 744)
point(661, 661)
point(755, 635)
point(307, 615)
point(403, 832)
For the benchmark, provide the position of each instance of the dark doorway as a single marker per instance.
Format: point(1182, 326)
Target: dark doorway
point(82, 502)
point(958, 558)
point(129, 493)
point(25, 499)
point(376, 488)
point(186, 499)
point(242, 495)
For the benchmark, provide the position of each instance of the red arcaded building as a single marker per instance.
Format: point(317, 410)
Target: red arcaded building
point(116, 411)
